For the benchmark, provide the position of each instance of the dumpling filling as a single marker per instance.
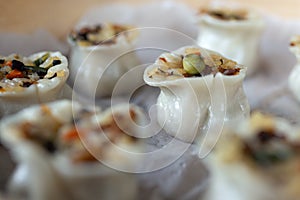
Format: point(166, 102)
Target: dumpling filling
point(295, 41)
point(226, 13)
point(102, 34)
point(266, 145)
point(269, 147)
point(97, 130)
point(17, 72)
point(192, 64)
point(257, 159)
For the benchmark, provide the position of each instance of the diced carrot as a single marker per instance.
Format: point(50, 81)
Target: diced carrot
point(83, 157)
point(132, 114)
point(8, 63)
point(71, 134)
point(163, 59)
point(15, 74)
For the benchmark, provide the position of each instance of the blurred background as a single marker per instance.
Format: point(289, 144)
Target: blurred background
point(59, 16)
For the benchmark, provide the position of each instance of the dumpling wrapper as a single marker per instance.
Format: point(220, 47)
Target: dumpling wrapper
point(237, 175)
point(95, 69)
point(44, 174)
point(45, 90)
point(294, 78)
point(235, 39)
point(195, 106)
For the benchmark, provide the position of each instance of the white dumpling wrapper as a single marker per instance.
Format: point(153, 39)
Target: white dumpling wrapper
point(237, 40)
point(294, 78)
point(238, 179)
point(94, 70)
point(188, 107)
point(41, 175)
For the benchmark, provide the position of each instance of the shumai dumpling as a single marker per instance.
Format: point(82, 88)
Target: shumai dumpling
point(233, 32)
point(258, 159)
point(100, 55)
point(24, 81)
point(200, 90)
point(65, 151)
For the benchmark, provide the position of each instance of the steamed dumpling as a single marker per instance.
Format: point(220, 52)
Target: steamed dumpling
point(64, 150)
point(100, 55)
point(258, 159)
point(31, 80)
point(200, 89)
point(233, 32)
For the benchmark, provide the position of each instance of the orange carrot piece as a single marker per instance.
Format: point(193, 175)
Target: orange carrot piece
point(8, 63)
point(71, 135)
point(15, 74)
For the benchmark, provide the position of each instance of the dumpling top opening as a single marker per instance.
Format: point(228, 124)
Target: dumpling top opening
point(295, 41)
point(80, 136)
point(17, 72)
point(263, 142)
point(192, 62)
point(101, 34)
point(229, 14)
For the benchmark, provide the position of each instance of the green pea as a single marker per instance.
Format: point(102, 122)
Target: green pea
point(193, 64)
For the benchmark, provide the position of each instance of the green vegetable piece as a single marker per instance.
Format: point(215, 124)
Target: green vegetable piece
point(193, 64)
point(41, 60)
point(40, 71)
point(269, 158)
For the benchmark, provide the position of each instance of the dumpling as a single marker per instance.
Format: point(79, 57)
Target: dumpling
point(294, 79)
point(258, 159)
point(99, 56)
point(200, 90)
point(64, 151)
point(233, 32)
point(30, 80)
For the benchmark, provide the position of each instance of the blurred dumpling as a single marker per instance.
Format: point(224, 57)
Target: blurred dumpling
point(258, 159)
point(233, 32)
point(294, 79)
point(99, 56)
point(64, 151)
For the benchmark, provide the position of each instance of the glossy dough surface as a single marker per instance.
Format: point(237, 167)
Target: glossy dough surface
point(191, 105)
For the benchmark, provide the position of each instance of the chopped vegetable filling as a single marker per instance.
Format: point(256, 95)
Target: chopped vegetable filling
point(54, 136)
point(15, 72)
point(226, 14)
point(193, 64)
point(268, 148)
point(99, 34)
